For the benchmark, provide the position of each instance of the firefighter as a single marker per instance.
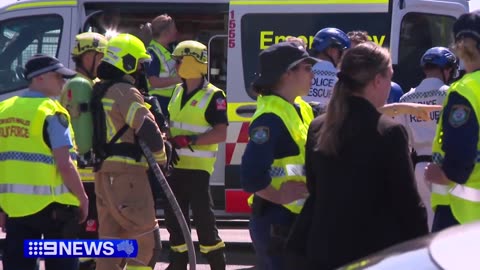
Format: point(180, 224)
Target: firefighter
point(198, 123)
point(439, 65)
point(272, 165)
point(454, 172)
point(328, 45)
point(161, 72)
point(41, 191)
point(124, 201)
point(86, 54)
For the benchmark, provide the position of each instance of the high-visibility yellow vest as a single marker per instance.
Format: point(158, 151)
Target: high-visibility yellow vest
point(292, 167)
point(190, 120)
point(167, 69)
point(464, 200)
point(29, 178)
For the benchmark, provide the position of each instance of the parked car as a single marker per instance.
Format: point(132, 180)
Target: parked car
point(454, 248)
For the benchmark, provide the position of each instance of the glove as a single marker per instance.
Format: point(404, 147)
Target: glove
point(181, 141)
point(172, 156)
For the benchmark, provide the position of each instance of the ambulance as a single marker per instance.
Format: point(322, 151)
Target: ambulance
point(235, 32)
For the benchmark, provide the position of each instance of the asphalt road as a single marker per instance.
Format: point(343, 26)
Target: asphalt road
point(239, 251)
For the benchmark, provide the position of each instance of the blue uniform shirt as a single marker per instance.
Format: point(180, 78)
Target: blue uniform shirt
point(58, 134)
point(460, 137)
point(269, 140)
point(154, 65)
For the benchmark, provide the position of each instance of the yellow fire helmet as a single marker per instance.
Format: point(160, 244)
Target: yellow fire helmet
point(192, 48)
point(89, 41)
point(125, 51)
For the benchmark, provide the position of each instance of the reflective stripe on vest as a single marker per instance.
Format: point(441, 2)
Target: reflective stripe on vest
point(29, 178)
point(463, 199)
point(167, 69)
point(466, 193)
point(189, 127)
point(288, 168)
point(190, 120)
point(440, 189)
point(33, 190)
point(196, 153)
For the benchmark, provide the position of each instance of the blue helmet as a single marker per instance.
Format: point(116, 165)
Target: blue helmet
point(328, 37)
point(439, 56)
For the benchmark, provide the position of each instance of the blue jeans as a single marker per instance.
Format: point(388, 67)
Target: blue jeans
point(269, 247)
point(443, 218)
point(33, 227)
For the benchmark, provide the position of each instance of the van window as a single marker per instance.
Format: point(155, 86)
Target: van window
point(20, 39)
point(259, 31)
point(418, 33)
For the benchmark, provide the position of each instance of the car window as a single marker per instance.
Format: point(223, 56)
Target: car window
point(418, 33)
point(20, 39)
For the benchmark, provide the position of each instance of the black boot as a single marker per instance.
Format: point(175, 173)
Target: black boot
point(178, 261)
point(216, 259)
point(87, 265)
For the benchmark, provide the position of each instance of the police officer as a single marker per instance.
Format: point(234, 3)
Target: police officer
point(198, 123)
point(439, 65)
point(161, 72)
point(454, 171)
point(87, 53)
point(328, 45)
point(40, 188)
point(272, 165)
point(396, 92)
point(124, 201)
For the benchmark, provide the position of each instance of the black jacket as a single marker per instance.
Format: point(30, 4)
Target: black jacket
point(362, 201)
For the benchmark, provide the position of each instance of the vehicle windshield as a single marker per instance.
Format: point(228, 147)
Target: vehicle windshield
point(20, 39)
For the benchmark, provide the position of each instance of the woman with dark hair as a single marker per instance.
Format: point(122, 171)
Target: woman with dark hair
point(363, 196)
point(272, 165)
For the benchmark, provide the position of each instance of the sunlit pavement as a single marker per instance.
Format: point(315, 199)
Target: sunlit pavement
point(240, 254)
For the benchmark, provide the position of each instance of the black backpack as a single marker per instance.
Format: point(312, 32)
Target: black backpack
point(101, 148)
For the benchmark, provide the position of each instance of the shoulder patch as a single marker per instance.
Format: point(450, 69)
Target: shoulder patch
point(459, 115)
point(221, 104)
point(62, 119)
point(260, 135)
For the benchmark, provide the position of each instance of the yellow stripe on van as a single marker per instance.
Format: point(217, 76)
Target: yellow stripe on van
point(42, 4)
point(307, 2)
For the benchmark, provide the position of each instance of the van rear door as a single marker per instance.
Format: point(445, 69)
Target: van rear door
point(26, 30)
point(255, 25)
point(418, 25)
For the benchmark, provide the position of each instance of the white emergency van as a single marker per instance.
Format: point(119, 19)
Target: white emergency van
point(235, 32)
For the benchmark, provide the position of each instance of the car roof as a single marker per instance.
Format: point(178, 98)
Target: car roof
point(453, 248)
point(457, 247)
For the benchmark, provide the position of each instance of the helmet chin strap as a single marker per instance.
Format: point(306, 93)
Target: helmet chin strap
point(331, 59)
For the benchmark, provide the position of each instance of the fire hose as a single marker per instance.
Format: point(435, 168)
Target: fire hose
point(173, 203)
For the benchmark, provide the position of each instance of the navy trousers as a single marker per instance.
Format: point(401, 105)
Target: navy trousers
point(269, 230)
point(51, 222)
point(443, 218)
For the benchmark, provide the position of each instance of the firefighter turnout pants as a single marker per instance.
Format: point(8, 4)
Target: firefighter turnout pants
point(126, 211)
point(192, 189)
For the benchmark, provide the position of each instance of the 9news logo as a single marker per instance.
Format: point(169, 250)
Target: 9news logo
point(118, 248)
